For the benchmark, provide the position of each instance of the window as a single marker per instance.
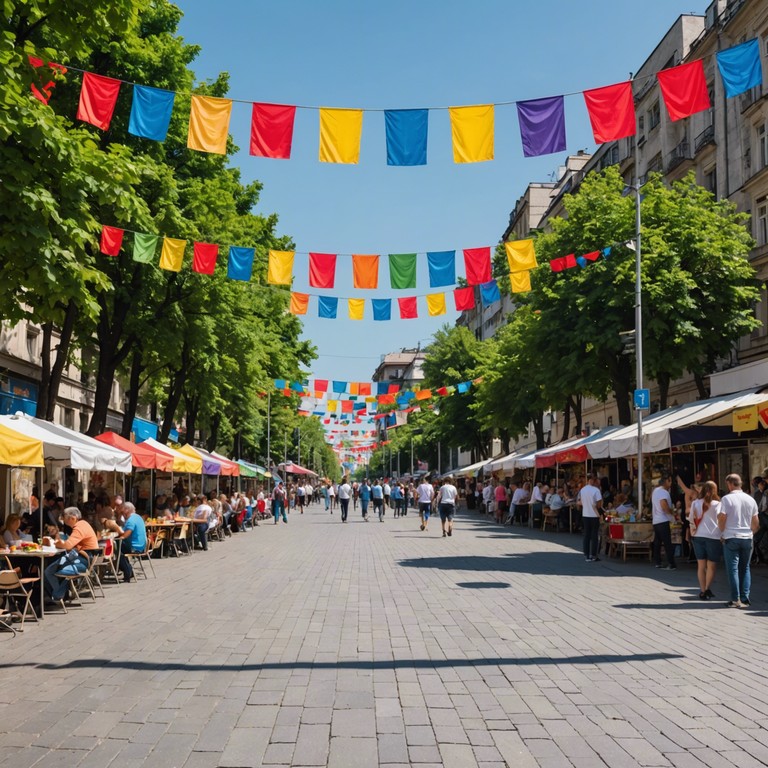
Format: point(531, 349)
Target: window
point(761, 223)
point(83, 422)
point(32, 335)
point(69, 418)
point(609, 423)
point(710, 180)
point(654, 116)
point(762, 145)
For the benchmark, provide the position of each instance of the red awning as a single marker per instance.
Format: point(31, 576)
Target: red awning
point(142, 456)
point(573, 455)
point(295, 469)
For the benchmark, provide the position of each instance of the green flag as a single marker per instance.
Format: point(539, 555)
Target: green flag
point(144, 247)
point(402, 270)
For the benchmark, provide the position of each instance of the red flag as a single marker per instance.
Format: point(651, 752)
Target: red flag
point(464, 298)
point(321, 385)
point(593, 256)
point(558, 264)
point(365, 389)
point(204, 258)
point(386, 399)
point(442, 391)
point(347, 406)
point(611, 112)
point(272, 130)
point(408, 310)
point(44, 92)
point(322, 270)
point(684, 89)
point(98, 96)
point(477, 263)
point(111, 240)
point(570, 261)
point(393, 389)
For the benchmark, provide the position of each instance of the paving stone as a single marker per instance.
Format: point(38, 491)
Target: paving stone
point(350, 752)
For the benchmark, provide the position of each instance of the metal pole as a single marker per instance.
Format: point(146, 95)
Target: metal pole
point(412, 472)
point(638, 326)
point(269, 429)
point(439, 464)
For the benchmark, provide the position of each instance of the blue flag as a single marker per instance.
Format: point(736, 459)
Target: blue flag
point(489, 293)
point(382, 388)
point(339, 387)
point(463, 387)
point(150, 112)
point(382, 310)
point(327, 307)
point(406, 136)
point(442, 268)
point(740, 67)
point(240, 263)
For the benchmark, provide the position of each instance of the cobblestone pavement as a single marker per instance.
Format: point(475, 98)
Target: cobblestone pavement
point(317, 643)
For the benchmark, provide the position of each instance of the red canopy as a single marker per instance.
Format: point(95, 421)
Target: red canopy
point(142, 456)
point(295, 469)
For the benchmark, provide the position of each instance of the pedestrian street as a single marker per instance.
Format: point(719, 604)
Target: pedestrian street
point(314, 643)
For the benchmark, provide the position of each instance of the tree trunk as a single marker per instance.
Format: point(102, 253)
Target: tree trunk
point(43, 396)
point(663, 381)
point(137, 368)
point(538, 428)
point(699, 379)
point(191, 406)
point(62, 355)
point(213, 438)
point(566, 419)
point(174, 394)
point(504, 435)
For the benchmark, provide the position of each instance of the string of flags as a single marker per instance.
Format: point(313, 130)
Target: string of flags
point(611, 111)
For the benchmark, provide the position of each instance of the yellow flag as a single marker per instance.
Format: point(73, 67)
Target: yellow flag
point(521, 255)
point(436, 304)
point(356, 308)
point(172, 254)
point(332, 406)
point(340, 131)
point(521, 282)
point(280, 269)
point(209, 124)
point(370, 399)
point(472, 131)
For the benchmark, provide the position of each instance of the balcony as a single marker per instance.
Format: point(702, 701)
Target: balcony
point(705, 138)
point(678, 155)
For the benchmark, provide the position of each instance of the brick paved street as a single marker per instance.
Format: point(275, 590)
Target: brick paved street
point(316, 643)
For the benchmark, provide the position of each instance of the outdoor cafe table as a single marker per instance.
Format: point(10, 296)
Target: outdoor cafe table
point(168, 526)
point(40, 555)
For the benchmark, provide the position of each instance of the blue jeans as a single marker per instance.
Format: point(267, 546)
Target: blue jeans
point(737, 554)
point(364, 507)
point(56, 587)
point(278, 508)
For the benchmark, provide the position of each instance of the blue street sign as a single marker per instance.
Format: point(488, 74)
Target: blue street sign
point(642, 398)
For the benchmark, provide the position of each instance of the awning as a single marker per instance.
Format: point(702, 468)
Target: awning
point(210, 465)
point(69, 447)
point(658, 429)
point(142, 456)
point(472, 470)
point(254, 470)
point(181, 463)
point(573, 451)
point(18, 450)
point(295, 469)
point(228, 467)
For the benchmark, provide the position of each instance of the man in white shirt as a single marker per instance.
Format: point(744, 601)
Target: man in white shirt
point(425, 493)
point(539, 493)
point(201, 515)
point(591, 503)
point(520, 498)
point(663, 517)
point(345, 494)
point(487, 497)
point(387, 493)
point(738, 519)
point(446, 504)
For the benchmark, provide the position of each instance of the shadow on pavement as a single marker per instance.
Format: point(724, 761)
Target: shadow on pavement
point(482, 585)
point(98, 663)
point(543, 563)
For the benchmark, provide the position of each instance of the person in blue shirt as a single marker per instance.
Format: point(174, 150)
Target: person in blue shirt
point(377, 493)
point(397, 497)
point(134, 538)
point(365, 497)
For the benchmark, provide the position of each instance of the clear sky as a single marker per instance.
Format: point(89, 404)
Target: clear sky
point(401, 54)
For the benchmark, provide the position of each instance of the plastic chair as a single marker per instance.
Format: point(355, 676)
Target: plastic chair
point(15, 589)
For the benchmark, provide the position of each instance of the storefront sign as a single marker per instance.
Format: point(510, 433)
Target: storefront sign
point(745, 419)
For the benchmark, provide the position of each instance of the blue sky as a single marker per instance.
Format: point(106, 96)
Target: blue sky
point(400, 54)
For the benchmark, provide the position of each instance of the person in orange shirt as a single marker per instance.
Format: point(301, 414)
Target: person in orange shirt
point(82, 539)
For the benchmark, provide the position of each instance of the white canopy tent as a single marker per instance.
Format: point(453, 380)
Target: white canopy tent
point(70, 448)
point(472, 470)
point(513, 461)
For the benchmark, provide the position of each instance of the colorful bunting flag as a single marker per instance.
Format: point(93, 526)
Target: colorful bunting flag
point(402, 270)
point(240, 263)
point(740, 67)
point(542, 125)
point(280, 383)
point(520, 282)
point(111, 240)
point(489, 292)
point(382, 309)
point(98, 96)
point(521, 255)
point(477, 264)
point(408, 309)
point(558, 264)
point(442, 268)
point(406, 131)
point(365, 271)
point(172, 254)
point(365, 388)
point(464, 298)
point(321, 385)
point(204, 257)
point(392, 388)
point(386, 399)
point(151, 110)
point(570, 261)
point(463, 387)
point(436, 304)
point(684, 89)
point(209, 124)
point(280, 267)
point(611, 112)
point(327, 307)
point(299, 304)
point(322, 270)
point(442, 391)
point(356, 308)
point(272, 130)
point(424, 394)
point(332, 406)
point(144, 247)
point(472, 132)
point(339, 387)
point(593, 256)
point(340, 131)
point(354, 387)
point(347, 406)
point(44, 92)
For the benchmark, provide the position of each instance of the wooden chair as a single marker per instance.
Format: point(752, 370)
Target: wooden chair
point(550, 517)
point(16, 591)
point(83, 580)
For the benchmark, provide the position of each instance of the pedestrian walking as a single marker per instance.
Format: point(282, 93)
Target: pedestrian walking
point(278, 502)
point(355, 494)
point(396, 495)
point(365, 498)
point(332, 495)
point(345, 494)
point(300, 493)
point(425, 494)
point(446, 504)
point(663, 517)
point(738, 520)
point(591, 502)
point(387, 495)
point(706, 535)
point(500, 495)
point(377, 494)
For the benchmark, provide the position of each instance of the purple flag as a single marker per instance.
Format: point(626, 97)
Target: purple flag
point(542, 125)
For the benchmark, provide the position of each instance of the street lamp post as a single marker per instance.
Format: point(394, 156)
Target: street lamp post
point(638, 326)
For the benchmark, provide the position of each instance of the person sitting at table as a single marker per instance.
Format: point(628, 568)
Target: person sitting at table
point(82, 539)
point(556, 503)
point(134, 539)
point(200, 516)
point(184, 506)
point(161, 504)
point(520, 498)
point(623, 505)
point(11, 533)
point(106, 521)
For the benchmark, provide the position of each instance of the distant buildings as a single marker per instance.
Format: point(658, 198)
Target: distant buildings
point(403, 368)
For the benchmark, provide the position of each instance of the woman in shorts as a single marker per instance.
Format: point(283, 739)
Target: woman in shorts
point(706, 537)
